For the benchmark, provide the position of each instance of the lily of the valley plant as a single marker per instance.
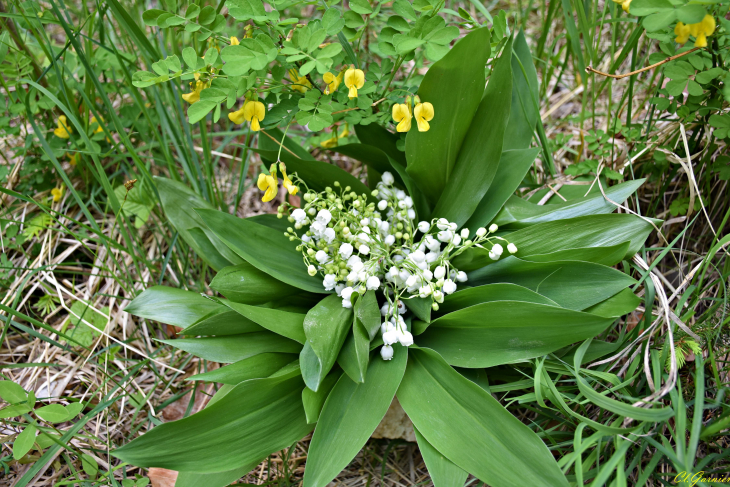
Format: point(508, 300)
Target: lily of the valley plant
point(418, 285)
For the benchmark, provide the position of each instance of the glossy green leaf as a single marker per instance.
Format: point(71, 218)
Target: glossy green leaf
point(265, 248)
point(454, 85)
point(478, 159)
point(24, 442)
point(241, 428)
point(326, 327)
point(470, 428)
point(514, 331)
point(350, 415)
point(443, 472)
point(420, 307)
point(386, 141)
point(227, 322)
point(523, 109)
point(519, 213)
point(314, 401)
point(370, 155)
point(173, 306)
point(53, 413)
point(355, 353)
point(244, 283)
point(179, 203)
point(284, 323)
point(229, 349)
point(317, 174)
point(584, 231)
point(367, 312)
point(571, 284)
point(620, 304)
point(472, 296)
point(513, 165)
point(608, 256)
point(217, 479)
point(256, 367)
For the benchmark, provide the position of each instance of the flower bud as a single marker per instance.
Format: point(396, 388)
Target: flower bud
point(311, 270)
point(512, 248)
point(481, 231)
point(464, 233)
point(497, 249)
point(461, 276)
point(493, 228)
point(439, 272)
point(382, 205)
point(424, 226)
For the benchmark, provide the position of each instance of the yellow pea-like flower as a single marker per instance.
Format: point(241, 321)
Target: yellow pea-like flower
point(98, 125)
point(424, 113)
point(63, 130)
point(290, 187)
point(682, 32)
point(252, 111)
point(329, 143)
point(354, 80)
point(345, 132)
point(73, 159)
point(269, 183)
point(194, 95)
point(333, 81)
point(703, 29)
point(234, 41)
point(299, 83)
point(402, 115)
point(625, 4)
point(57, 194)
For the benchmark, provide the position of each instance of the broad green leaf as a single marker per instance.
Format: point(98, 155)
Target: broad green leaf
point(137, 202)
point(314, 401)
point(233, 348)
point(53, 413)
point(443, 472)
point(420, 307)
point(584, 231)
point(608, 256)
point(317, 174)
point(514, 331)
point(179, 202)
point(519, 213)
point(265, 248)
point(74, 409)
point(271, 144)
point(478, 159)
point(523, 109)
point(617, 305)
point(247, 10)
point(367, 312)
point(284, 323)
point(350, 415)
point(256, 367)
point(470, 428)
point(172, 306)
point(326, 327)
point(472, 296)
point(513, 165)
point(241, 428)
point(454, 85)
point(24, 442)
point(217, 479)
point(13, 411)
point(646, 7)
point(89, 465)
point(11, 392)
point(379, 137)
point(355, 353)
point(370, 155)
point(571, 284)
point(226, 322)
point(198, 110)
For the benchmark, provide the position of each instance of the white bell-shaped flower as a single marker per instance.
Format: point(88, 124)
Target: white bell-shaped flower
point(390, 337)
point(424, 226)
point(346, 250)
point(461, 276)
point(321, 256)
point(329, 235)
point(324, 216)
point(449, 286)
point(329, 282)
point(387, 178)
point(439, 272)
point(497, 249)
point(373, 283)
point(386, 351)
point(299, 215)
point(405, 338)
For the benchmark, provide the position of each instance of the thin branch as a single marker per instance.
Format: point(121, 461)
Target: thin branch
point(590, 69)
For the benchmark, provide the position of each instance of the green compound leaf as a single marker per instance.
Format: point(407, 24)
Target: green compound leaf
point(350, 415)
point(470, 428)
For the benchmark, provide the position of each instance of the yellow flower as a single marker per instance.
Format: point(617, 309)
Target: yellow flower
point(290, 187)
point(703, 29)
point(57, 194)
point(194, 95)
point(332, 81)
point(73, 158)
point(402, 115)
point(345, 132)
point(424, 114)
point(252, 111)
point(234, 41)
point(98, 125)
point(63, 130)
point(329, 143)
point(624, 4)
point(269, 183)
point(354, 79)
point(299, 83)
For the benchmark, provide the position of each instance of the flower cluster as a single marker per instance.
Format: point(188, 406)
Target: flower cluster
point(361, 242)
point(699, 31)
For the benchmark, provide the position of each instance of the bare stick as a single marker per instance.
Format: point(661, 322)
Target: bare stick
point(621, 76)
